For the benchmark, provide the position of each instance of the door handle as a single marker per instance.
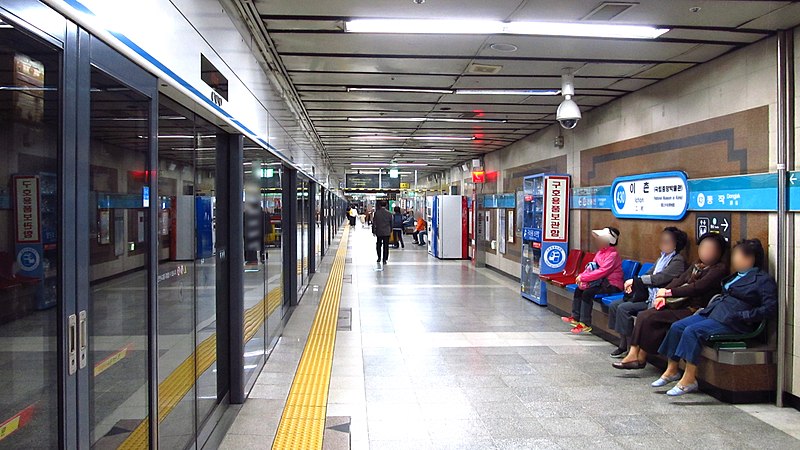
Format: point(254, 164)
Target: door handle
point(73, 343)
point(83, 341)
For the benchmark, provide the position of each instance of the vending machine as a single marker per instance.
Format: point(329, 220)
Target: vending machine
point(545, 231)
point(448, 237)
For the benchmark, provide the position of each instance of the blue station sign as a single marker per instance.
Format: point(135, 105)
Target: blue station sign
point(654, 196)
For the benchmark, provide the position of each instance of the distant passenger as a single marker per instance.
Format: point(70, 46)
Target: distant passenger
point(749, 296)
point(681, 298)
point(352, 216)
point(601, 276)
point(397, 227)
point(419, 229)
point(640, 292)
point(382, 229)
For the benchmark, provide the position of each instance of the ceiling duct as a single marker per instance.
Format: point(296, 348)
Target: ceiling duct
point(608, 11)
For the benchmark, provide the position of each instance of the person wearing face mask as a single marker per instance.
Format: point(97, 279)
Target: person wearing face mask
point(640, 292)
point(679, 299)
point(749, 296)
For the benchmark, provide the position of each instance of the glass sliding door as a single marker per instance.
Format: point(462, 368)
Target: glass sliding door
point(186, 273)
point(255, 272)
point(30, 240)
point(118, 252)
point(263, 292)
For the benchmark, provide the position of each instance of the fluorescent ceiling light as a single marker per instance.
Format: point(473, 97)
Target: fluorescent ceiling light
point(447, 26)
point(416, 90)
point(419, 138)
point(423, 26)
point(380, 164)
point(584, 30)
point(424, 119)
point(508, 91)
point(459, 91)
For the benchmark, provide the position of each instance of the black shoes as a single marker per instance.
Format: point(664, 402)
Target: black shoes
point(619, 353)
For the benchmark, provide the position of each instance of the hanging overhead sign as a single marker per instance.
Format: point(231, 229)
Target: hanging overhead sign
point(556, 208)
point(657, 196)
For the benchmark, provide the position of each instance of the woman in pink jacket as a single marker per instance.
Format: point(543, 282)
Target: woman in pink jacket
point(601, 276)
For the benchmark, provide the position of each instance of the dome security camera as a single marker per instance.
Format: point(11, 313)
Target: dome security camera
point(568, 113)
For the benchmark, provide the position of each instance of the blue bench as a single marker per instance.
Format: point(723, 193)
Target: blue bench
point(609, 299)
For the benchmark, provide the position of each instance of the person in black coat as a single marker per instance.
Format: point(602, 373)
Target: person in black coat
point(749, 296)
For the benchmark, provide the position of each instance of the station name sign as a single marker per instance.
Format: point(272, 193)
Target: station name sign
point(656, 196)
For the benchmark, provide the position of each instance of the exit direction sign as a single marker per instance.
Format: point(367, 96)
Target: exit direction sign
point(713, 223)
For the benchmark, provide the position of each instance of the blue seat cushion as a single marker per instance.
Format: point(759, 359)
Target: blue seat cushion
point(571, 287)
point(609, 299)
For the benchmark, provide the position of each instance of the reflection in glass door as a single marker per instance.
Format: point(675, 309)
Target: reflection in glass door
point(187, 287)
point(30, 101)
point(119, 238)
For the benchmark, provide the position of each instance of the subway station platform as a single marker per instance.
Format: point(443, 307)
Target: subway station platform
point(434, 354)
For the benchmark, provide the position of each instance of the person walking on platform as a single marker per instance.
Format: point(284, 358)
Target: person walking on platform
point(351, 215)
point(382, 229)
point(397, 227)
point(601, 276)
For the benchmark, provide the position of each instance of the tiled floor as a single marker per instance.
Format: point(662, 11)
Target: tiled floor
point(443, 356)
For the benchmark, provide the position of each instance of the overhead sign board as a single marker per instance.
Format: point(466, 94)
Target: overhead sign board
point(556, 208)
point(757, 192)
point(361, 181)
point(656, 196)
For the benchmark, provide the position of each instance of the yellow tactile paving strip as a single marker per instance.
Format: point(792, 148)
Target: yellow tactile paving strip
point(181, 380)
point(303, 421)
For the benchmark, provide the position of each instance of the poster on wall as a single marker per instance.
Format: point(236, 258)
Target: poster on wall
point(26, 208)
point(501, 230)
point(510, 232)
point(556, 208)
point(654, 196)
point(104, 236)
point(140, 226)
point(486, 228)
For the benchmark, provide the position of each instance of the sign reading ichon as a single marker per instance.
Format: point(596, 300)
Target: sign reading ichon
point(657, 196)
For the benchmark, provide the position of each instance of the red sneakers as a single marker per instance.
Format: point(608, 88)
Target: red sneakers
point(570, 320)
point(581, 328)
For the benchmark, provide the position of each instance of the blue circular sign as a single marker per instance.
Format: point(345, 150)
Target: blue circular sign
point(554, 257)
point(619, 196)
point(28, 259)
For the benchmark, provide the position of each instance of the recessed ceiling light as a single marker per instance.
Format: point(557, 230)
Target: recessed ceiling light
point(505, 48)
point(448, 26)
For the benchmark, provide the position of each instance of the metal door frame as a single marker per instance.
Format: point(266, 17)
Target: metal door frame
point(92, 52)
point(49, 27)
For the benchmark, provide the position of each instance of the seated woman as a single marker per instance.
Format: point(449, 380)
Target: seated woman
point(697, 285)
point(601, 276)
point(748, 297)
point(641, 291)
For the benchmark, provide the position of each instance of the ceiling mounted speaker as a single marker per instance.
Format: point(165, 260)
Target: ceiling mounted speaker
point(485, 69)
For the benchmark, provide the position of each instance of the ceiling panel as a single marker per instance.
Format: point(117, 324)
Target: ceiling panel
point(496, 9)
point(364, 64)
point(322, 60)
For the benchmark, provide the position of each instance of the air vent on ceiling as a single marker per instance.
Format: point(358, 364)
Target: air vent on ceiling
point(609, 10)
point(487, 69)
